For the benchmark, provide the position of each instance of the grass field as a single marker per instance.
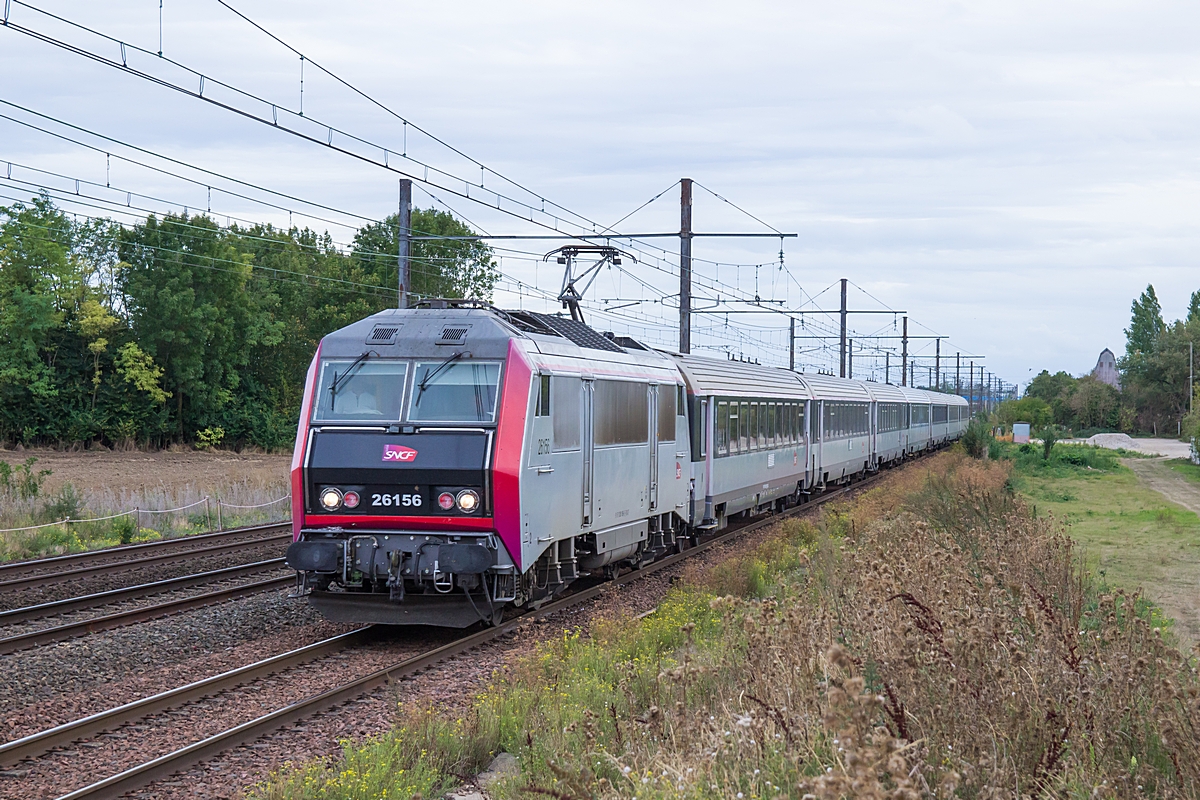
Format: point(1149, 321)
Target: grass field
point(1131, 534)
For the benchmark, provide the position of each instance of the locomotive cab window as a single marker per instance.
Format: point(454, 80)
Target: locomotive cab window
point(454, 391)
point(360, 391)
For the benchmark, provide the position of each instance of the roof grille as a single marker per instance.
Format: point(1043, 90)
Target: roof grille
point(383, 334)
point(453, 335)
point(577, 332)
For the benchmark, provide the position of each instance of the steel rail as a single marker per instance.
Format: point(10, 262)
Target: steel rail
point(170, 763)
point(37, 744)
point(79, 573)
point(16, 567)
point(86, 601)
point(110, 621)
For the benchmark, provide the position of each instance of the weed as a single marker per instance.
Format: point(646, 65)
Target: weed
point(22, 481)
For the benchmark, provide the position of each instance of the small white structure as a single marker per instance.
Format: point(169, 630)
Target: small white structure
point(1021, 433)
point(1106, 369)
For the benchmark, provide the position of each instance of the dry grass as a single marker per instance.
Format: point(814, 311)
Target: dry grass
point(932, 638)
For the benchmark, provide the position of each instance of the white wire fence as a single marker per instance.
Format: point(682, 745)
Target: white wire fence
point(213, 509)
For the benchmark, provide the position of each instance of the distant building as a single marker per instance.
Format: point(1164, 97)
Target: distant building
point(1106, 369)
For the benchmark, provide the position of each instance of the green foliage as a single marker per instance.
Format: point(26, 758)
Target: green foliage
point(1194, 307)
point(1049, 436)
point(153, 334)
point(66, 503)
point(977, 437)
point(1064, 460)
point(1034, 410)
point(209, 438)
point(1145, 325)
point(22, 482)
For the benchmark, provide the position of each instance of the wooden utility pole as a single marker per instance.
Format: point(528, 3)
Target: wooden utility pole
point(685, 265)
point(404, 243)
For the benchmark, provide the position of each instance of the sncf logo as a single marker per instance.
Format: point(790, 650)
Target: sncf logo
point(398, 452)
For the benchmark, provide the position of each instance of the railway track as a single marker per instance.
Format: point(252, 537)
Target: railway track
point(81, 566)
point(247, 732)
point(139, 613)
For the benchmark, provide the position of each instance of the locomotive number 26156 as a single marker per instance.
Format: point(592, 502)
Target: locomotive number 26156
point(408, 500)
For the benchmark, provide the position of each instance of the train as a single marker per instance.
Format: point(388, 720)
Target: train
point(455, 461)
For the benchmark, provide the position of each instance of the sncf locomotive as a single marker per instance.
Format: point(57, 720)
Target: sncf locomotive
point(454, 460)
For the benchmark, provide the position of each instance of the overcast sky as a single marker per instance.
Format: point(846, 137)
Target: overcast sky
point(1010, 174)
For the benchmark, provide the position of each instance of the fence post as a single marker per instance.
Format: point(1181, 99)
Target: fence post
point(137, 520)
point(207, 513)
point(220, 522)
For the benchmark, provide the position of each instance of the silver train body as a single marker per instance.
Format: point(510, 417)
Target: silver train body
point(495, 457)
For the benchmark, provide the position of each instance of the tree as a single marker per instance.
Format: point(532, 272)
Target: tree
point(1194, 307)
point(439, 268)
point(186, 293)
point(1034, 410)
point(1054, 390)
point(1095, 404)
point(1145, 327)
point(1049, 436)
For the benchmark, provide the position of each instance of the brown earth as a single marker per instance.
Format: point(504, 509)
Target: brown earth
point(105, 469)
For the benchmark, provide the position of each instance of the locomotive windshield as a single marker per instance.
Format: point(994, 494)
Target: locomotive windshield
point(360, 390)
point(454, 391)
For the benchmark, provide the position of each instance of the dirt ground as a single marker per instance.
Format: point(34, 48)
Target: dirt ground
point(1180, 592)
point(91, 470)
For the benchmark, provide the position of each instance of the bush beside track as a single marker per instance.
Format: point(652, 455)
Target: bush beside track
point(933, 634)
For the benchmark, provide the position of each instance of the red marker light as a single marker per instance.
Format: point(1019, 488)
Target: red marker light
point(350, 500)
point(446, 501)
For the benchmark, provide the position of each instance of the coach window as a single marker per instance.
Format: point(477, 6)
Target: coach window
point(744, 428)
point(666, 413)
point(621, 412)
point(564, 412)
point(734, 427)
point(752, 426)
point(722, 428)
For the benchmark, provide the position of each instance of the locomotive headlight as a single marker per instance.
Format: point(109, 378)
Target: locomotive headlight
point(331, 499)
point(350, 499)
point(468, 500)
point(446, 501)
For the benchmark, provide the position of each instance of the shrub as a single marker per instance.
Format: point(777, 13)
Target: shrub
point(209, 438)
point(22, 482)
point(977, 438)
point(66, 503)
point(1049, 436)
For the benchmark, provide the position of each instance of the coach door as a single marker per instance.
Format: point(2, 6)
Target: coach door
point(653, 400)
point(587, 444)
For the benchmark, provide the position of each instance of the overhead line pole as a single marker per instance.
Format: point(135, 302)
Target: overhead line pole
point(404, 241)
point(843, 315)
point(904, 355)
point(685, 265)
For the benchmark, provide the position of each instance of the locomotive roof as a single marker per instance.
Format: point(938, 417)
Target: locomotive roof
point(714, 376)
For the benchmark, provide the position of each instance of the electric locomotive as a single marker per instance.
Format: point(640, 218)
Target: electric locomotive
point(454, 460)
